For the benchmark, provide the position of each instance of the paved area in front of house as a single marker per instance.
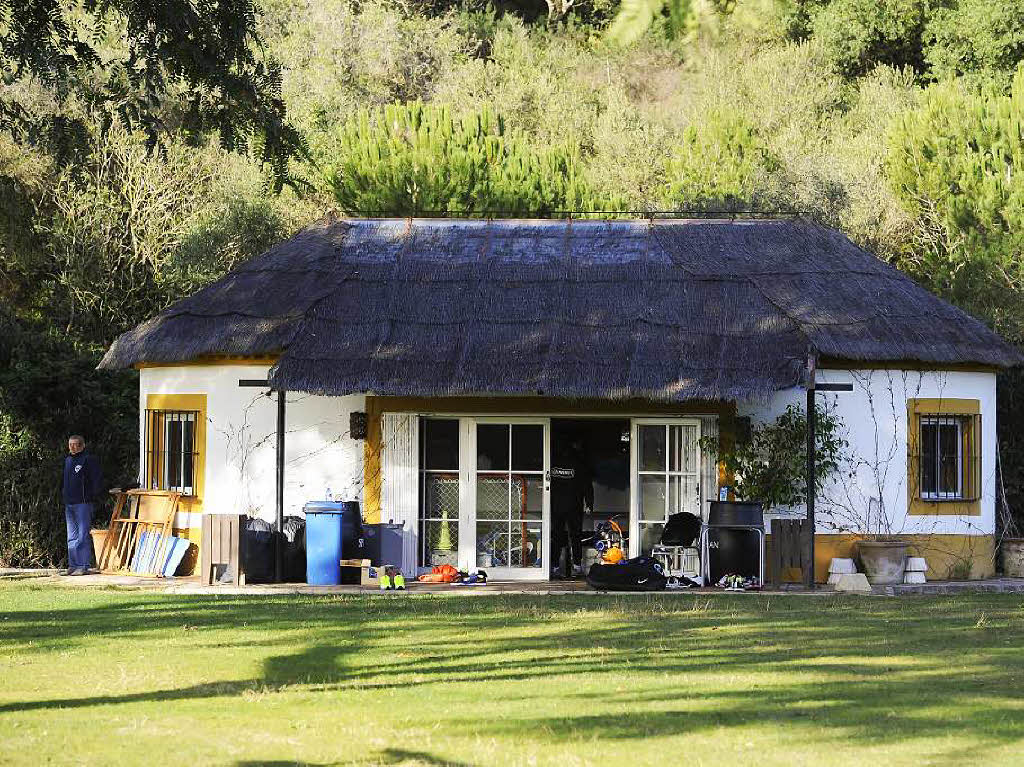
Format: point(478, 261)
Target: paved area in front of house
point(191, 585)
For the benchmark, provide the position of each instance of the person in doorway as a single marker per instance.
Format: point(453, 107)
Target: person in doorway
point(81, 488)
point(572, 494)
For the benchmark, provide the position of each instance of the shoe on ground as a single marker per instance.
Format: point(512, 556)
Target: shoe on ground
point(79, 571)
point(69, 571)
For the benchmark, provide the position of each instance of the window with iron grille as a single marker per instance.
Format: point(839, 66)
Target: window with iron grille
point(170, 441)
point(948, 457)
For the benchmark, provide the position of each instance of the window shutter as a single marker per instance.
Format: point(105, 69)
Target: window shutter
point(399, 494)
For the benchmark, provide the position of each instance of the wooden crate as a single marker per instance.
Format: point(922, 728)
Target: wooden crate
point(220, 547)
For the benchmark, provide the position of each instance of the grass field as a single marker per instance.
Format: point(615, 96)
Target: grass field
point(118, 677)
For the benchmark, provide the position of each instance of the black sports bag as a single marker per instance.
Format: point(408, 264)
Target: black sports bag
point(641, 574)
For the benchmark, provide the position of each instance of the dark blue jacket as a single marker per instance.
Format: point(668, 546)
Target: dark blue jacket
point(83, 479)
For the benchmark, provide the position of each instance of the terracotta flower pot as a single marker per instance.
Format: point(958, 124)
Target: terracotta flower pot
point(1013, 557)
point(883, 561)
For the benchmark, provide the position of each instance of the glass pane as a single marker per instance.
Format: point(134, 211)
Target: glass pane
point(492, 446)
point(188, 443)
point(929, 444)
point(533, 503)
point(949, 458)
point(682, 494)
point(440, 496)
point(527, 447)
point(441, 543)
point(650, 536)
point(173, 452)
point(492, 496)
point(652, 448)
point(440, 519)
point(492, 544)
point(682, 441)
point(524, 545)
point(440, 444)
point(652, 498)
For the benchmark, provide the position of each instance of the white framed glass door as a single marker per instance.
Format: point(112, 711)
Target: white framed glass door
point(666, 470)
point(507, 529)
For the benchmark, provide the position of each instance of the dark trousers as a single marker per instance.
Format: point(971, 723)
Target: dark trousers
point(567, 533)
point(79, 519)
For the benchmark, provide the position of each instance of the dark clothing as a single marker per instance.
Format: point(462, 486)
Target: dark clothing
point(572, 488)
point(83, 479)
point(79, 519)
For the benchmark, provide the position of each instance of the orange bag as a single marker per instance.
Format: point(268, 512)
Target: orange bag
point(440, 574)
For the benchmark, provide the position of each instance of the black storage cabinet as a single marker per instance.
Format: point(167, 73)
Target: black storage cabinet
point(734, 541)
point(383, 544)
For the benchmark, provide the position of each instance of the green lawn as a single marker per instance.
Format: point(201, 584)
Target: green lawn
point(121, 677)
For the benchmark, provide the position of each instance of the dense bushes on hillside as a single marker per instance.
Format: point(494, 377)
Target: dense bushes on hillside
point(894, 121)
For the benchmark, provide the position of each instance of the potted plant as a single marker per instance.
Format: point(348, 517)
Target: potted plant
point(769, 465)
point(883, 559)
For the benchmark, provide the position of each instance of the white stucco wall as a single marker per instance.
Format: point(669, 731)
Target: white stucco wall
point(874, 418)
point(240, 437)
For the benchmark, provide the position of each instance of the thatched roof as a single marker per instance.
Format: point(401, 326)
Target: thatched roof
point(663, 310)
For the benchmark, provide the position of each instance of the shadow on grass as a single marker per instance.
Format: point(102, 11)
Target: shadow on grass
point(389, 756)
point(857, 670)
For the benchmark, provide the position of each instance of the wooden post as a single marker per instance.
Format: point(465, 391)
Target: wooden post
point(808, 542)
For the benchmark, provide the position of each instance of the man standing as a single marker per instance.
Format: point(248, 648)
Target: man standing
point(572, 493)
point(83, 480)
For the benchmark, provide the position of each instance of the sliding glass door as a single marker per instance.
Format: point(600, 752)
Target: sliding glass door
point(509, 505)
point(666, 476)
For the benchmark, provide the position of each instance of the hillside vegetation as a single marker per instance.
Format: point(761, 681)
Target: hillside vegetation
point(899, 122)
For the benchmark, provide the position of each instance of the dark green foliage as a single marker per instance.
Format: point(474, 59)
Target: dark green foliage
point(978, 39)
point(957, 164)
point(771, 466)
point(415, 158)
point(861, 34)
point(189, 67)
point(49, 389)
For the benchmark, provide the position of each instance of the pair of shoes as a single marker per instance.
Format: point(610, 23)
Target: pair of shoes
point(79, 571)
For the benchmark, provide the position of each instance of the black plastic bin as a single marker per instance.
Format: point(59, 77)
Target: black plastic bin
point(735, 550)
point(294, 554)
point(257, 546)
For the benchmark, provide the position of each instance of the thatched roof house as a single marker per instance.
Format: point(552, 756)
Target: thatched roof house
point(435, 369)
point(664, 309)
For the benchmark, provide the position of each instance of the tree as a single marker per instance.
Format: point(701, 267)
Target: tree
point(721, 163)
point(978, 39)
point(174, 66)
point(957, 165)
point(415, 158)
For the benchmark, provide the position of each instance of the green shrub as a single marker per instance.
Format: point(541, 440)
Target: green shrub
point(722, 163)
point(416, 158)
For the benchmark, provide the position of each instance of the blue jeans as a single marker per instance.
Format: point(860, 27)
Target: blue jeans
point(79, 519)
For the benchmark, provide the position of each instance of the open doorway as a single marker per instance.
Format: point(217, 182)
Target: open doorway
point(589, 487)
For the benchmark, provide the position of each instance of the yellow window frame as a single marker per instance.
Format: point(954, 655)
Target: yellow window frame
point(186, 402)
point(970, 411)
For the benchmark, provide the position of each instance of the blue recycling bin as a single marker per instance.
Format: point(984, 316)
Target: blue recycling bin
point(323, 542)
